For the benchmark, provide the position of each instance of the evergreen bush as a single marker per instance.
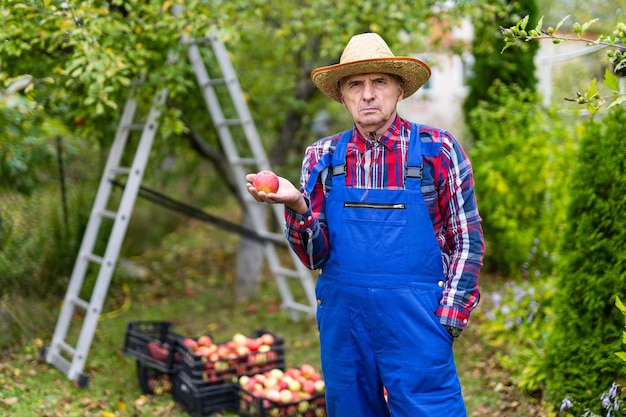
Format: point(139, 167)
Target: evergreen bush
point(581, 349)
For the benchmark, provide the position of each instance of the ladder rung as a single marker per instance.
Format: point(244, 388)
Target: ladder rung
point(276, 237)
point(231, 122)
point(79, 302)
point(243, 161)
point(108, 213)
point(197, 41)
point(120, 170)
point(67, 348)
point(135, 126)
point(298, 306)
point(94, 258)
point(214, 81)
point(287, 272)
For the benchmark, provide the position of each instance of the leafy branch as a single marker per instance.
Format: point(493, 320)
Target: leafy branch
point(616, 55)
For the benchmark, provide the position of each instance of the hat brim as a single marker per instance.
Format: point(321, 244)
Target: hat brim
point(413, 72)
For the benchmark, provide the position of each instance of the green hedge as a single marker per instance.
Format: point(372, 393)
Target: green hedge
point(521, 161)
point(588, 328)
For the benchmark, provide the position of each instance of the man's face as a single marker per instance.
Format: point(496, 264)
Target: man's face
point(371, 99)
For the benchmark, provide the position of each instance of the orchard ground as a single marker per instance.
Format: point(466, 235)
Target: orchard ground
point(190, 283)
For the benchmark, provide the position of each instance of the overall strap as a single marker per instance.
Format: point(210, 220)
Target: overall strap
point(414, 168)
point(339, 156)
point(335, 160)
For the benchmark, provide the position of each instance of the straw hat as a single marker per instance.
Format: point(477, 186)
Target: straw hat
point(365, 54)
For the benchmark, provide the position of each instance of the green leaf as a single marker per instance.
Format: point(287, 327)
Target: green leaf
point(617, 101)
point(610, 81)
point(592, 91)
point(587, 24)
point(621, 355)
point(561, 23)
point(507, 46)
point(620, 305)
point(539, 26)
point(522, 23)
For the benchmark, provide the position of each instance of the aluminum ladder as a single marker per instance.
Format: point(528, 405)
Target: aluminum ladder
point(248, 157)
point(70, 359)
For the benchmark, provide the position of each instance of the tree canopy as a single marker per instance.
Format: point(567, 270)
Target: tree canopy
point(85, 56)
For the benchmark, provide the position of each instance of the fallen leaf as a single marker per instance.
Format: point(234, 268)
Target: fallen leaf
point(10, 400)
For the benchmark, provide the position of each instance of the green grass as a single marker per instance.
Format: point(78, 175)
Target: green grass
point(190, 283)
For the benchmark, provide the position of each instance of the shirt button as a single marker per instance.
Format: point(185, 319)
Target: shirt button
point(319, 301)
point(440, 283)
point(302, 222)
point(309, 218)
point(464, 321)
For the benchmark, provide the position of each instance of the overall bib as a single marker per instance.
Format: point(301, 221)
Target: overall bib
point(377, 298)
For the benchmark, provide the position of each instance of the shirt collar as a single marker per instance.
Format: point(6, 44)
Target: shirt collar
point(389, 139)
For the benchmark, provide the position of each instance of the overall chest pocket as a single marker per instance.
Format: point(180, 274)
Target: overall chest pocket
point(374, 237)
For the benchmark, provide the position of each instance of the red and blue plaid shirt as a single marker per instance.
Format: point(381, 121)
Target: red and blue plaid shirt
point(448, 189)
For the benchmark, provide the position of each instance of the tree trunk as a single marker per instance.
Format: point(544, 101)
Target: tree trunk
point(249, 264)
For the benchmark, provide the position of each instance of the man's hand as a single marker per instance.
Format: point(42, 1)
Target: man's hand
point(454, 331)
point(287, 194)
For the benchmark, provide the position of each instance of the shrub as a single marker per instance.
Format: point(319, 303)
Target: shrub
point(581, 349)
point(521, 162)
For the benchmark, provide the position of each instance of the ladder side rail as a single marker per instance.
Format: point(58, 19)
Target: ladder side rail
point(255, 209)
point(212, 102)
point(281, 281)
point(234, 88)
point(116, 238)
point(258, 151)
point(91, 232)
point(248, 125)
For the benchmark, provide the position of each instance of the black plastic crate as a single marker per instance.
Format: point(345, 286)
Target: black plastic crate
point(154, 381)
point(153, 343)
point(203, 372)
point(253, 406)
point(202, 400)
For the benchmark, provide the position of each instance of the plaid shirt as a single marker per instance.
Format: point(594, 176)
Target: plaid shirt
point(448, 190)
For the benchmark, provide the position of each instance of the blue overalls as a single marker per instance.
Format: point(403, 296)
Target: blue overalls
point(377, 297)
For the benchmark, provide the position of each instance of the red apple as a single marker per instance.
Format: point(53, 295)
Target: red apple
point(253, 344)
point(320, 386)
point(242, 350)
point(157, 351)
point(190, 343)
point(203, 351)
point(267, 339)
point(286, 396)
point(205, 340)
point(276, 373)
point(308, 387)
point(240, 339)
point(307, 370)
point(274, 395)
point(266, 181)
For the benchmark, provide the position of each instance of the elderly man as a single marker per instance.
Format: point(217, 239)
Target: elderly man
point(387, 212)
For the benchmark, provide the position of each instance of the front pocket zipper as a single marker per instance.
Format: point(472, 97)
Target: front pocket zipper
point(387, 206)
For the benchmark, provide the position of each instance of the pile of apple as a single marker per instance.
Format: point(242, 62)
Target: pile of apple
point(220, 362)
point(295, 391)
